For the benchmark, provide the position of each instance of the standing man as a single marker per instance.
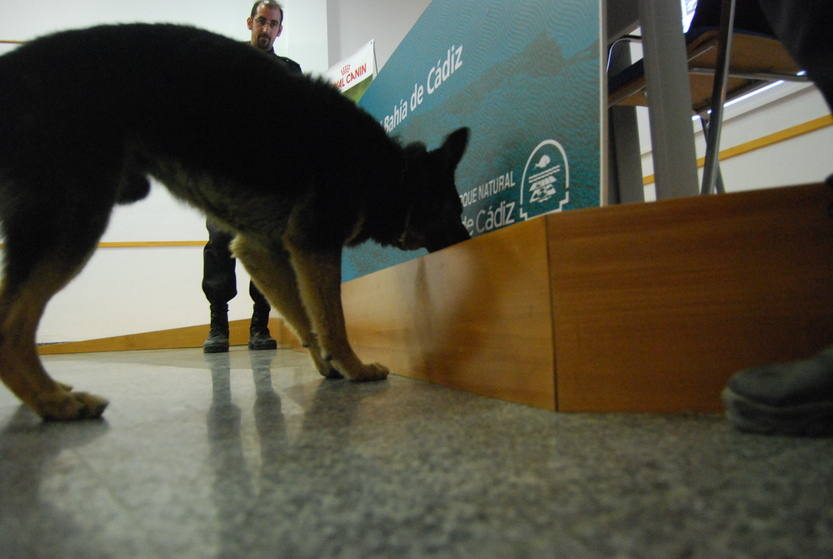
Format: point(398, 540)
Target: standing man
point(266, 24)
point(219, 280)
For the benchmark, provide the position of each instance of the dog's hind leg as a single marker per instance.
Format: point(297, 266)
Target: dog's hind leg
point(47, 244)
point(20, 366)
point(273, 275)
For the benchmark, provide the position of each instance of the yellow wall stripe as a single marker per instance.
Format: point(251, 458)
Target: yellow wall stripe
point(768, 140)
point(146, 244)
point(133, 244)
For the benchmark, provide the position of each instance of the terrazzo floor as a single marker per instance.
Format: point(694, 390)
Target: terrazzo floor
point(252, 454)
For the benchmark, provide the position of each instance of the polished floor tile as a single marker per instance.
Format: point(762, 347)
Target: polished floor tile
point(252, 454)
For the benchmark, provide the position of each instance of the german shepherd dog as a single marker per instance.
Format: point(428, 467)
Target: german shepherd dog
point(284, 161)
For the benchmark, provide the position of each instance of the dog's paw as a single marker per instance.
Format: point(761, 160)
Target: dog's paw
point(69, 406)
point(330, 373)
point(371, 372)
point(326, 370)
point(324, 367)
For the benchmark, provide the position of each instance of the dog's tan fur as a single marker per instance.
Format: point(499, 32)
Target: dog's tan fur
point(20, 366)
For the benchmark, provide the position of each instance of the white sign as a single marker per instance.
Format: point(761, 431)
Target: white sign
point(353, 75)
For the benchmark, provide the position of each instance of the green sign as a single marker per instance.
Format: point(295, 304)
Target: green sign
point(525, 76)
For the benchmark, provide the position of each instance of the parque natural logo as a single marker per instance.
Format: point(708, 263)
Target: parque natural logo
point(545, 185)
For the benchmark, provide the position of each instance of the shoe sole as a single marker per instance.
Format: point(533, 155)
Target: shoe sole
point(811, 420)
point(257, 347)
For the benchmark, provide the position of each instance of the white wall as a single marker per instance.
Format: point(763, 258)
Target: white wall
point(304, 38)
point(126, 290)
point(355, 22)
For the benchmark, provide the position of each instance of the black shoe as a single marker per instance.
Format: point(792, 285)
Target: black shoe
point(217, 341)
point(259, 337)
point(262, 340)
point(793, 398)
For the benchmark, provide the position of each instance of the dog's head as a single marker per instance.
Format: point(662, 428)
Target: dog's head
point(434, 219)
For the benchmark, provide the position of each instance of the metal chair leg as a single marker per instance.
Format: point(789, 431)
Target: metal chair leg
point(711, 169)
point(718, 183)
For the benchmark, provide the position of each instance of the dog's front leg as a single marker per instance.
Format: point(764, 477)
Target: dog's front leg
point(318, 273)
point(274, 276)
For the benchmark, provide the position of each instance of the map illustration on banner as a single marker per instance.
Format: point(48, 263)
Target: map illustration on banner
point(525, 76)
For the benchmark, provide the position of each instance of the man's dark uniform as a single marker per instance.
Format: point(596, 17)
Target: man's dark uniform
point(219, 281)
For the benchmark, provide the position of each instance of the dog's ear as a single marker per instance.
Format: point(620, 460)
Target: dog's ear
point(455, 146)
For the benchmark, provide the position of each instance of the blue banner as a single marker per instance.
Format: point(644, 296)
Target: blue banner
point(525, 76)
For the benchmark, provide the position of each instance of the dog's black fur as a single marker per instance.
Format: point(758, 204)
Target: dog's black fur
point(285, 161)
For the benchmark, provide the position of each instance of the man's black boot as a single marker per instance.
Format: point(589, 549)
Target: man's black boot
point(217, 341)
point(259, 337)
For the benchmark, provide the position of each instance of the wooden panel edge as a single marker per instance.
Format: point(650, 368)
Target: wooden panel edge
point(475, 316)
point(656, 305)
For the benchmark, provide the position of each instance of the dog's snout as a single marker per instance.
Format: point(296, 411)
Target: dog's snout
point(457, 235)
